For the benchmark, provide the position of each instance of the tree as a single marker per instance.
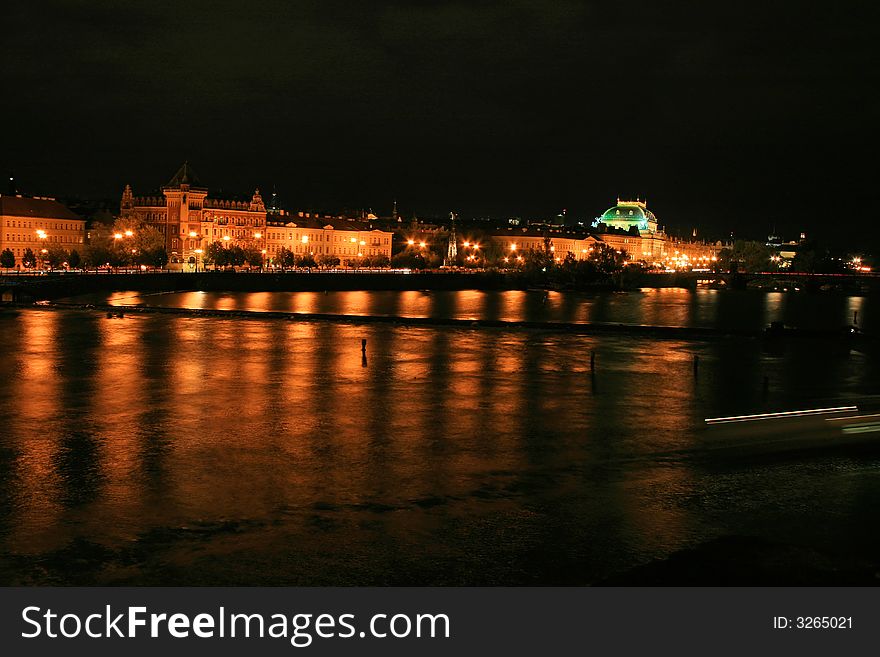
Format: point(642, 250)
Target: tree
point(97, 255)
point(285, 258)
point(408, 259)
point(29, 260)
point(381, 261)
point(745, 255)
point(253, 256)
point(606, 258)
point(7, 259)
point(307, 260)
point(73, 259)
point(326, 260)
point(215, 254)
point(56, 256)
point(157, 258)
point(237, 256)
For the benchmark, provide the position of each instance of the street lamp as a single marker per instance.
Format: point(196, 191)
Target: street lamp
point(41, 234)
point(192, 235)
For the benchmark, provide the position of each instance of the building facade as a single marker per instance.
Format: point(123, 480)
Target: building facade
point(513, 242)
point(311, 234)
point(38, 224)
point(189, 219)
point(631, 228)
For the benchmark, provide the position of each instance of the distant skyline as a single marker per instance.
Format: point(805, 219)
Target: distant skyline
point(726, 117)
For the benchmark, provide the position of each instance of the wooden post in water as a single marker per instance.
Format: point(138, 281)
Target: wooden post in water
point(364, 346)
point(592, 360)
point(696, 364)
point(855, 317)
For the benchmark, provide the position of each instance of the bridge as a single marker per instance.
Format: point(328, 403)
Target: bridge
point(850, 281)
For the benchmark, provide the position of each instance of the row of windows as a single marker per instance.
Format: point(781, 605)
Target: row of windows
point(157, 217)
point(237, 221)
point(345, 237)
point(348, 250)
point(60, 239)
point(231, 233)
point(54, 225)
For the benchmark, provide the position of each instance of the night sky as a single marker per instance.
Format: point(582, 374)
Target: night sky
point(727, 116)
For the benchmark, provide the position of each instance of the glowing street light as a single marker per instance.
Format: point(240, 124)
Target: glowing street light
point(410, 242)
point(128, 233)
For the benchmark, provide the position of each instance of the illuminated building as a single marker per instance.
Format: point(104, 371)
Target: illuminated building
point(629, 214)
point(38, 223)
point(311, 234)
point(560, 243)
point(189, 219)
point(631, 228)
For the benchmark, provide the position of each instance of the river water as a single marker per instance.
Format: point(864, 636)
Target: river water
point(156, 449)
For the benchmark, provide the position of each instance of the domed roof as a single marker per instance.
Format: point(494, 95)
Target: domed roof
point(624, 211)
point(629, 213)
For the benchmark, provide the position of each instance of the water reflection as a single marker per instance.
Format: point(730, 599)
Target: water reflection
point(209, 450)
point(663, 307)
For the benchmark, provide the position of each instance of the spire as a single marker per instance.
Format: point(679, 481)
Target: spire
point(127, 199)
point(452, 249)
point(257, 201)
point(185, 176)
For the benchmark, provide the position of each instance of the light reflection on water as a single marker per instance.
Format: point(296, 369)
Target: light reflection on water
point(202, 450)
point(663, 307)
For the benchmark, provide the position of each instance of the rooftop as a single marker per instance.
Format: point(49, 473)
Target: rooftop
point(40, 208)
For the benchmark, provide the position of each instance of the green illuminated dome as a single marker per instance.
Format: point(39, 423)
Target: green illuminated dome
point(627, 214)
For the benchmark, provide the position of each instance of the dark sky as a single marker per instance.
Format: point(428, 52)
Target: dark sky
point(726, 115)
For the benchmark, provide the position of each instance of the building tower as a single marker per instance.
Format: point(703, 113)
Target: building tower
point(184, 202)
point(452, 249)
